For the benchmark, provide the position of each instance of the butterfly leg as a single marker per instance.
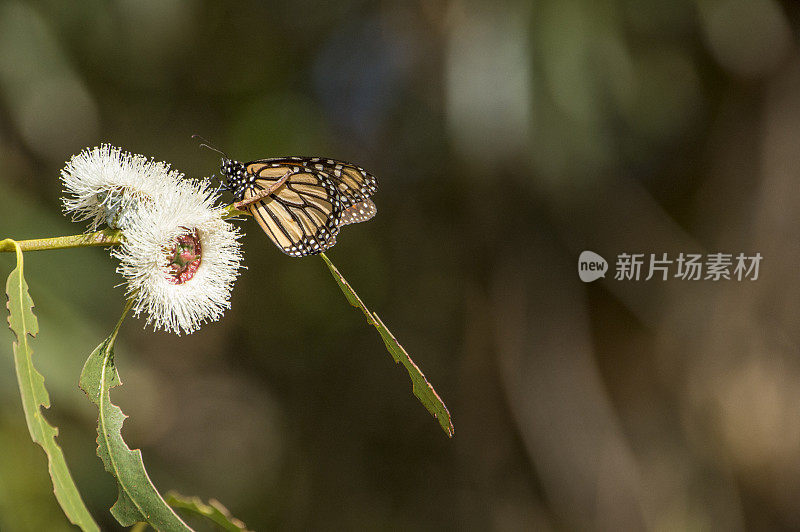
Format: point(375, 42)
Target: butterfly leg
point(264, 193)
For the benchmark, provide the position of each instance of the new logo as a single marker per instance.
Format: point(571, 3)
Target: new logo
point(591, 266)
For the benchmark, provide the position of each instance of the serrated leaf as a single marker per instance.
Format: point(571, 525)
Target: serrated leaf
point(420, 385)
point(23, 323)
point(137, 500)
point(213, 511)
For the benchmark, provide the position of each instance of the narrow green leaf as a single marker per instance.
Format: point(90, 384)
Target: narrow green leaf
point(420, 385)
point(138, 499)
point(24, 325)
point(214, 511)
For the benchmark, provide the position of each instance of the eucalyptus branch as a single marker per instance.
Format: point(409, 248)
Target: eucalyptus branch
point(104, 238)
point(172, 231)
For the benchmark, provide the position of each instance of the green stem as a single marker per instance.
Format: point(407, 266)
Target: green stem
point(128, 305)
point(104, 238)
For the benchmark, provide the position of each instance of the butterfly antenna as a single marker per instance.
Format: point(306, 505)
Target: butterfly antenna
point(207, 144)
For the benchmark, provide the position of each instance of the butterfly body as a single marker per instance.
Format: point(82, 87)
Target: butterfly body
point(309, 198)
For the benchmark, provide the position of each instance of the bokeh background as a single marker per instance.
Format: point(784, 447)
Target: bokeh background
point(507, 138)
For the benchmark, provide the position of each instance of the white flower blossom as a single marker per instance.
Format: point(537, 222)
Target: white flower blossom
point(180, 259)
point(178, 256)
point(105, 184)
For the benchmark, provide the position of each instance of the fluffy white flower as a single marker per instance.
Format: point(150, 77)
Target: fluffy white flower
point(180, 258)
point(105, 183)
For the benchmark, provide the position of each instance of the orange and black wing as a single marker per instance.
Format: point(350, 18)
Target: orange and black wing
point(303, 216)
point(353, 183)
point(320, 195)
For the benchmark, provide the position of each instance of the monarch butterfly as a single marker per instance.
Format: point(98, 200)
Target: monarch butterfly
point(302, 202)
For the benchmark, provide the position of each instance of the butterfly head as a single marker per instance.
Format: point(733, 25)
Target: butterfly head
point(236, 177)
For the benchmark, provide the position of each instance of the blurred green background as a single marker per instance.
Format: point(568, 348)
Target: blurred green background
point(507, 137)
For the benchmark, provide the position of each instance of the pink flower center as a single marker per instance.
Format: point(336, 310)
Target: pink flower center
point(184, 258)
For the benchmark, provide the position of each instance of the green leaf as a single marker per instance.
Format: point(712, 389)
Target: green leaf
point(420, 385)
point(138, 499)
point(24, 325)
point(214, 511)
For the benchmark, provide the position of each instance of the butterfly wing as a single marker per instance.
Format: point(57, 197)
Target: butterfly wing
point(303, 216)
point(358, 212)
point(352, 182)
